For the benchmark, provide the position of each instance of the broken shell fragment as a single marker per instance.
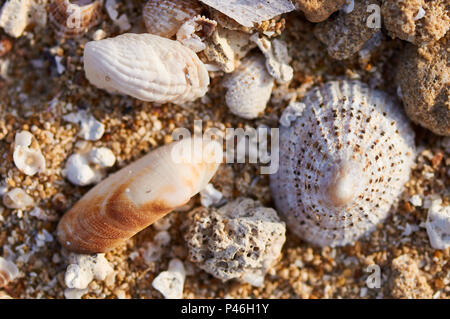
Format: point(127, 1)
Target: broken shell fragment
point(165, 17)
point(249, 88)
point(8, 272)
point(17, 198)
point(28, 160)
point(147, 67)
point(139, 194)
point(248, 12)
point(194, 31)
point(71, 19)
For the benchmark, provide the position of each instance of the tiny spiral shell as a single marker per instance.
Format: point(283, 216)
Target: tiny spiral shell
point(147, 67)
point(138, 195)
point(8, 272)
point(72, 19)
point(165, 17)
point(343, 163)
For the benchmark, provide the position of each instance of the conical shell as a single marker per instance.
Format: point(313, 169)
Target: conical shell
point(165, 17)
point(343, 163)
point(147, 67)
point(137, 195)
point(71, 19)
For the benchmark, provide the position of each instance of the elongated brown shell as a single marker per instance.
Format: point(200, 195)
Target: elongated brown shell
point(165, 17)
point(136, 196)
point(71, 19)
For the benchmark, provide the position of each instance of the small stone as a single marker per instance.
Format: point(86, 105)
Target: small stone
point(90, 128)
point(318, 10)
point(418, 21)
point(344, 34)
point(210, 196)
point(84, 268)
point(423, 76)
point(17, 198)
point(416, 200)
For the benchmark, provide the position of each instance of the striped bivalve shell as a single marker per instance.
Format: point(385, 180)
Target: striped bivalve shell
point(343, 163)
point(147, 67)
point(138, 194)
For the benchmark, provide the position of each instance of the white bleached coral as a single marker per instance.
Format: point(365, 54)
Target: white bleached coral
point(240, 240)
point(90, 128)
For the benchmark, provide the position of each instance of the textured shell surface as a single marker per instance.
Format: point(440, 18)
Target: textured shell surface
point(165, 17)
point(147, 67)
point(137, 195)
point(343, 163)
point(71, 19)
point(8, 271)
point(249, 88)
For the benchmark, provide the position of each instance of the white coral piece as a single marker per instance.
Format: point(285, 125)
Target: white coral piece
point(438, 225)
point(170, 283)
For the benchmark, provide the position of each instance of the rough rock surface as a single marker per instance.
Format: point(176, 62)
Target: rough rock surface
point(407, 281)
point(423, 77)
point(417, 21)
point(318, 10)
point(344, 34)
point(240, 240)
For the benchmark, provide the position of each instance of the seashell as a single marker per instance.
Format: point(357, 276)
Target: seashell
point(147, 67)
point(72, 19)
point(8, 271)
point(249, 88)
point(165, 17)
point(28, 160)
point(343, 163)
point(249, 12)
point(139, 194)
point(17, 198)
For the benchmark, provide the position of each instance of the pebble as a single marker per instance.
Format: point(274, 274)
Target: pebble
point(438, 225)
point(90, 128)
point(170, 283)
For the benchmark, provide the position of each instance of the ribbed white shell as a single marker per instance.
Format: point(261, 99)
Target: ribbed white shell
point(147, 67)
point(249, 88)
point(343, 163)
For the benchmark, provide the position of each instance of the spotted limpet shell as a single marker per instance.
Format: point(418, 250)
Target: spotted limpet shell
point(343, 163)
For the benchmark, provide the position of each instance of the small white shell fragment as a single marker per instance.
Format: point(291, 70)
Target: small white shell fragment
point(438, 225)
point(8, 271)
point(84, 268)
point(122, 21)
point(249, 88)
point(277, 58)
point(248, 12)
point(102, 156)
point(72, 293)
point(17, 198)
point(147, 67)
point(90, 128)
point(416, 200)
point(27, 160)
point(14, 16)
point(210, 196)
point(170, 283)
point(420, 14)
point(155, 249)
point(89, 167)
point(187, 34)
point(291, 112)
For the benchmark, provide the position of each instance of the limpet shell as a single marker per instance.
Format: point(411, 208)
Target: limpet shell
point(343, 163)
point(139, 194)
point(165, 17)
point(71, 19)
point(147, 67)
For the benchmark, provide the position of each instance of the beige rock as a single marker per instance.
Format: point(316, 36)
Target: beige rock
point(318, 10)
